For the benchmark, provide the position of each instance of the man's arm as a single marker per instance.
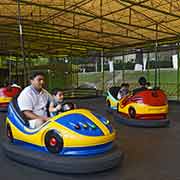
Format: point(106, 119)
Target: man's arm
point(30, 116)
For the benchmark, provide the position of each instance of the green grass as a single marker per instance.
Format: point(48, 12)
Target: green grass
point(168, 79)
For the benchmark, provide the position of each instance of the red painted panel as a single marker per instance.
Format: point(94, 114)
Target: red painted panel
point(9, 92)
point(153, 97)
point(148, 97)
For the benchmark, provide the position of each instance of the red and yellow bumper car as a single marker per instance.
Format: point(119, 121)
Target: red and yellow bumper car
point(148, 108)
point(6, 95)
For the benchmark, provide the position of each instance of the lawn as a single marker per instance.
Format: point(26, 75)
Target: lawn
point(168, 79)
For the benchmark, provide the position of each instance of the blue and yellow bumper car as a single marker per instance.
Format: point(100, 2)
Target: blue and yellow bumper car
point(111, 99)
point(75, 141)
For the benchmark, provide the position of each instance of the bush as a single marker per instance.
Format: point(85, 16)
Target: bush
point(160, 64)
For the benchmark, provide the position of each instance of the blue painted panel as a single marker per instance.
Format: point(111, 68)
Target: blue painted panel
point(71, 120)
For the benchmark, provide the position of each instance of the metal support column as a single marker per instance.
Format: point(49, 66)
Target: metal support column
point(102, 52)
point(21, 40)
point(148, 75)
point(159, 72)
point(10, 70)
point(71, 69)
point(178, 74)
point(123, 69)
point(156, 58)
point(77, 75)
point(49, 80)
point(113, 72)
point(102, 68)
point(17, 76)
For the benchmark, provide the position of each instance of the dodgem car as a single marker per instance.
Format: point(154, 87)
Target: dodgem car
point(75, 141)
point(148, 108)
point(111, 98)
point(6, 94)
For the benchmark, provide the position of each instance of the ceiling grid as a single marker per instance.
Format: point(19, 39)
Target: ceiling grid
point(77, 26)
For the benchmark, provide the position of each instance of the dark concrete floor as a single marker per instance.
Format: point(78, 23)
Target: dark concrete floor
point(150, 153)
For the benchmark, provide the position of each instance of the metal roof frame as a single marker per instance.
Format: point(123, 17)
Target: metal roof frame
point(74, 27)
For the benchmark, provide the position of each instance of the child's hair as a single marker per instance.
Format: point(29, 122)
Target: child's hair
point(55, 91)
point(127, 85)
point(123, 84)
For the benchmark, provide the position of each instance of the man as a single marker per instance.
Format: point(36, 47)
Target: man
point(142, 83)
point(33, 101)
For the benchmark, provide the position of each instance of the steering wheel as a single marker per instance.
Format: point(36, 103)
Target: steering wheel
point(67, 106)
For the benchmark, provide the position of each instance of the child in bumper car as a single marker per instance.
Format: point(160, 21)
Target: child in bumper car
point(56, 102)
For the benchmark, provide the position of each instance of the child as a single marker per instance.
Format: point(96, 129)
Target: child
point(124, 90)
point(56, 103)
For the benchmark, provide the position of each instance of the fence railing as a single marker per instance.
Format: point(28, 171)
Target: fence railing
point(170, 89)
point(81, 93)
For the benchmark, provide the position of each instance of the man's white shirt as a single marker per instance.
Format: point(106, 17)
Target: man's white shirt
point(32, 100)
